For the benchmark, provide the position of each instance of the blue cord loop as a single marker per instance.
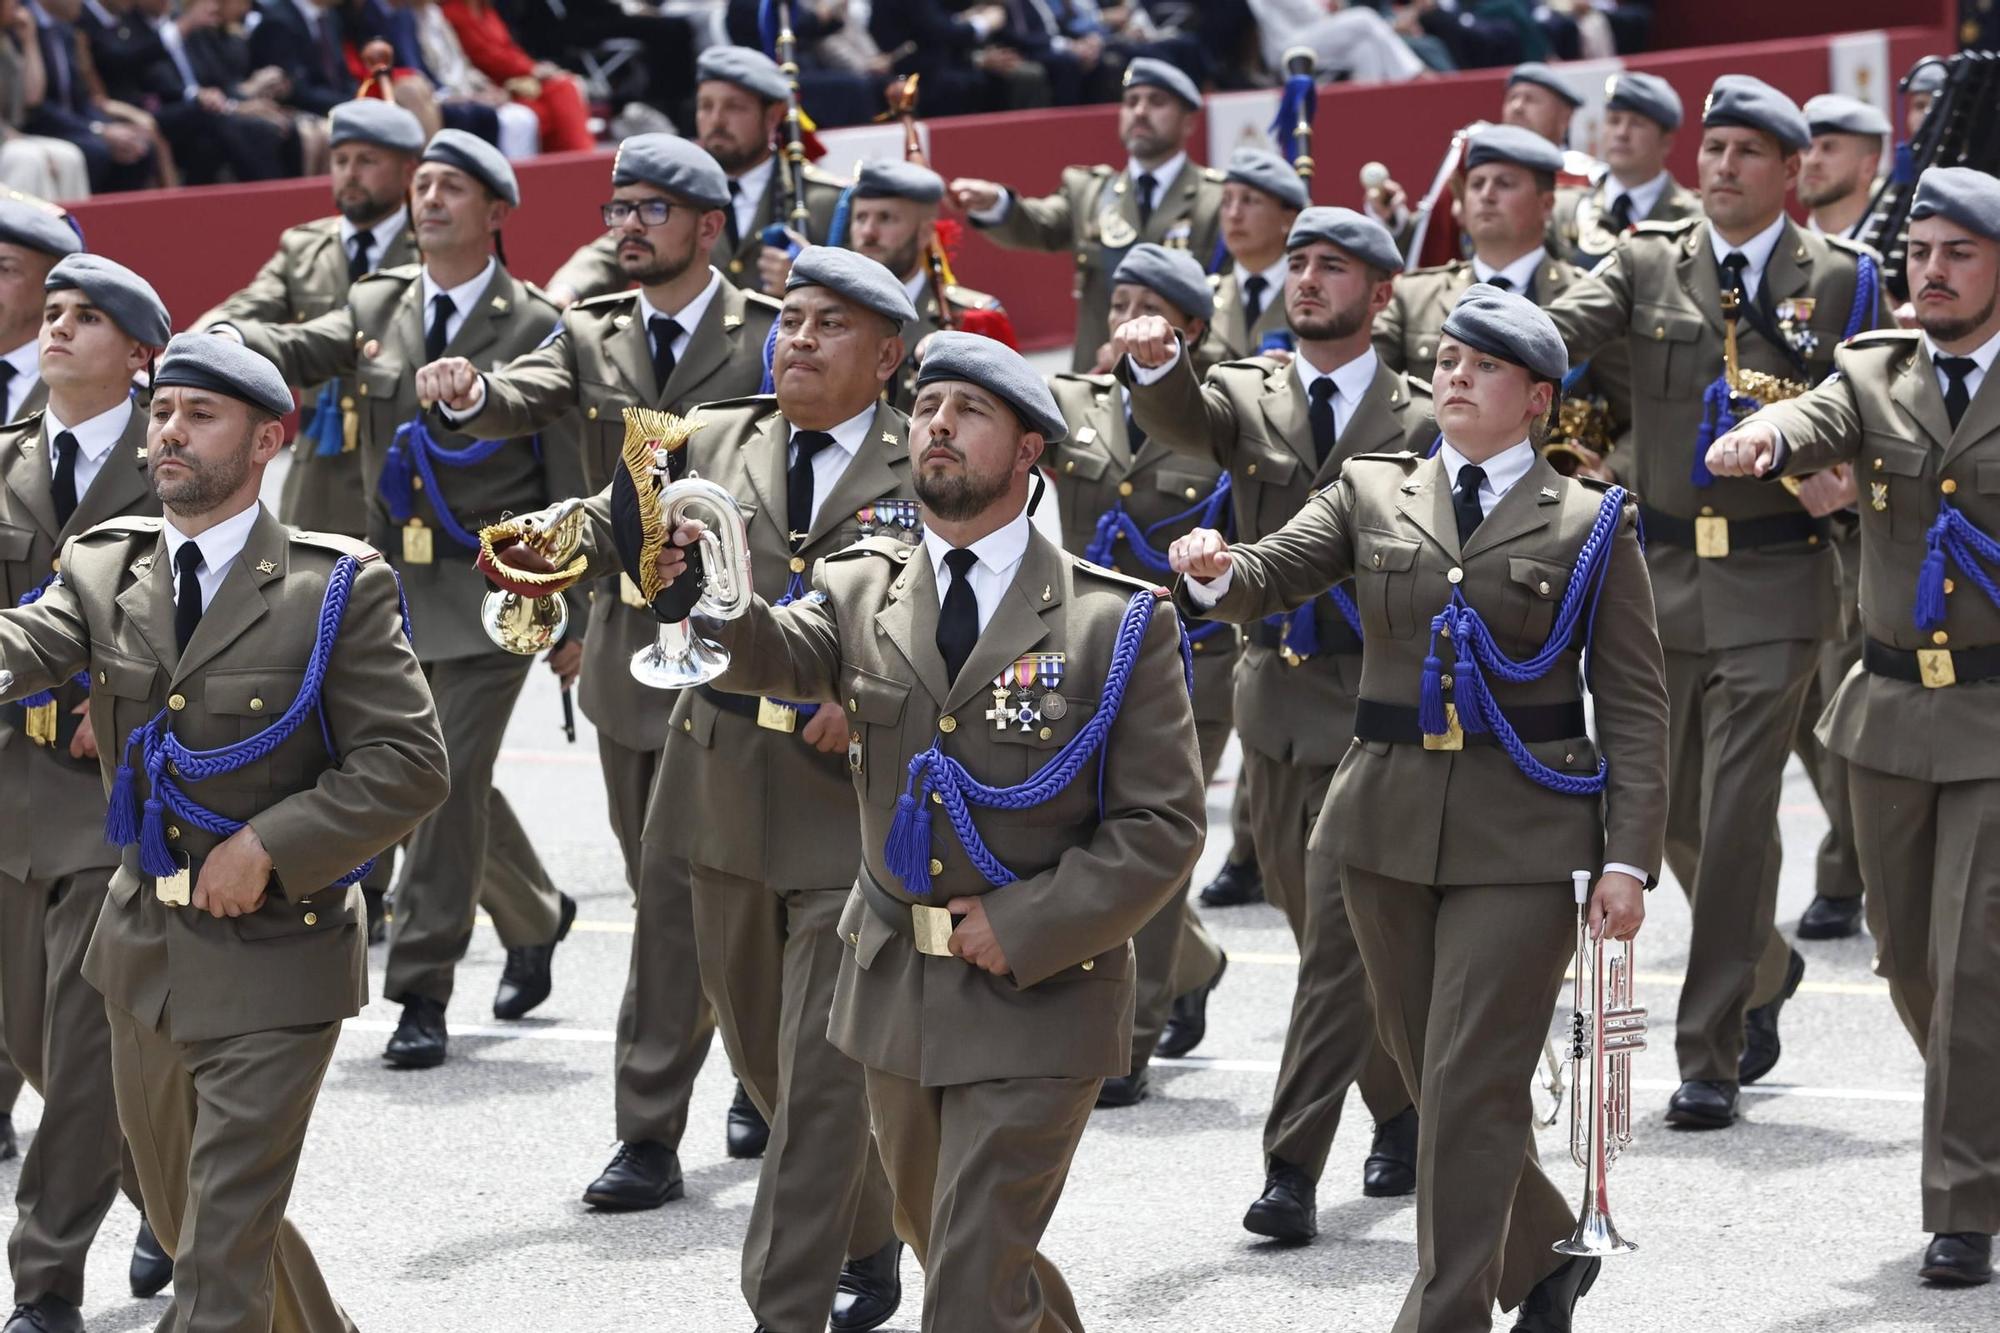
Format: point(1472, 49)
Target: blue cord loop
point(325, 430)
point(81, 679)
point(414, 453)
point(1211, 511)
point(1477, 654)
point(1953, 538)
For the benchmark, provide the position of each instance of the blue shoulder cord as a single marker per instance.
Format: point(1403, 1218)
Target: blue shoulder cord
point(412, 453)
point(1212, 511)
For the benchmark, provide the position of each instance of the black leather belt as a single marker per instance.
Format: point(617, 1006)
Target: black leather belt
point(1376, 721)
point(1934, 667)
point(1335, 634)
point(902, 917)
point(1742, 534)
point(743, 705)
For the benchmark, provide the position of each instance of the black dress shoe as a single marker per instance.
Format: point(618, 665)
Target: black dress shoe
point(870, 1289)
point(642, 1175)
point(1702, 1103)
point(152, 1267)
point(1125, 1090)
point(1391, 1168)
point(378, 914)
point(50, 1314)
point(9, 1149)
point(748, 1131)
point(1286, 1210)
point(528, 977)
point(1188, 1023)
point(1958, 1259)
point(419, 1041)
point(1760, 1027)
point(1550, 1303)
point(1234, 886)
point(1830, 919)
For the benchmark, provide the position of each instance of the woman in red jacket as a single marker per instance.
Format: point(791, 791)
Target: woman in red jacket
point(553, 93)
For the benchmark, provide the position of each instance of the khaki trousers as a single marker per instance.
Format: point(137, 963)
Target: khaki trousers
point(1837, 871)
point(216, 1128)
point(1243, 839)
point(1173, 951)
point(1465, 979)
point(471, 852)
point(1930, 855)
point(768, 964)
point(977, 1169)
point(1733, 715)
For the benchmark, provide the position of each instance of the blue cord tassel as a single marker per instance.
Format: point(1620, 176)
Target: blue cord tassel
point(1471, 703)
point(836, 232)
point(1219, 257)
point(121, 822)
point(767, 27)
point(1930, 587)
point(394, 486)
point(155, 857)
point(1430, 700)
point(325, 430)
point(1302, 631)
point(1299, 101)
point(1717, 419)
point(1099, 550)
point(907, 853)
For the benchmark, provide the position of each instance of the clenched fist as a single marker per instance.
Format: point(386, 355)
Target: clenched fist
point(1747, 451)
point(1149, 340)
point(1202, 554)
point(452, 381)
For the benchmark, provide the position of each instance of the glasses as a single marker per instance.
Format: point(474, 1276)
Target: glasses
point(651, 212)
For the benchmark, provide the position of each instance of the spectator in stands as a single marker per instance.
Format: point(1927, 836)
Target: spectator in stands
point(1539, 98)
point(833, 88)
point(556, 30)
point(963, 64)
point(1350, 42)
point(302, 38)
point(552, 94)
point(116, 141)
point(31, 163)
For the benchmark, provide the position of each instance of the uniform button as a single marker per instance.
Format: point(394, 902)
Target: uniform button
point(798, 564)
point(173, 833)
point(1878, 465)
point(1190, 493)
point(852, 706)
point(1378, 560)
point(1088, 964)
point(1045, 733)
point(1543, 587)
point(1812, 539)
point(854, 938)
point(1950, 585)
point(947, 724)
point(363, 390)
point(1940, 638)
point(1423, 349)
point(1444, 681)
point(1070, 465)
point(591, 413)
point(937, 798)
point(312, 918)
point(103, 678)
point(1708, 511)
point(1124, 488)
point(687, 724)
point(1196, 645)
point(256, 705)
point(1454, 575)
point(346, 403)
point(1659, 333)
point(937, 866)
point(176, 702)
point(1250, 471)
point(1948, 486)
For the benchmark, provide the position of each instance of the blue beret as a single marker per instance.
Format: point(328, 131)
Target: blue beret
point(372, 120)
point(1647, 94)
point(1752, 104)
point(37, 228)
point(751, 70)
point(1174, 274)
point(1837, 113)
point(898, 180)
point(1146, 72)
point(1962, 195)
point(1363, 237)
point(477, 159)
point(119, 292)
point(679, 166)
point(999, 369)
point(209, 361)
point(1511, 143)
point(854, 276)
point(1539, 74)
point(1927, 76)
point(1510, 327)
point(1262, 169)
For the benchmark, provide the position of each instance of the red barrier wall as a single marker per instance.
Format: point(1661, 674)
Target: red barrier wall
point(199, 245)
point(1683, 23)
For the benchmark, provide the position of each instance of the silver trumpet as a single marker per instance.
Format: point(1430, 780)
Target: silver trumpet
point(680, 657)
point(1605, 1033)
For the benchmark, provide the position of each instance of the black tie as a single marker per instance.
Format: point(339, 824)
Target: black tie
point(64, 489)
point(357, 263)
point(799, 482)
point(1135, 439)
point(1621, 213)
point(1502, 281)
point(1957, 397)
point(664, 332)
point(187, 597)
point(958, 620)
point(731, 233)
point(1253, 300)
point(1733, 279)
point(1465, 502)
point(6, 390)
point(1325, 429)
point(1145, 184)
point(434, 341)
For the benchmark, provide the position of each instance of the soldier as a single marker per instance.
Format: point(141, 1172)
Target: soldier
point(1918, 413)
point(1746, 579)
point(739, 111)
point(1838, 169)
point(1098, 213)
point(428, 495)
point(1921, 86)
point(32, 240)
point(1123, 497)
point(684, 337)
point(1642, 113)
point(230, 945)
point(1537, 98)
point(1467, 926)
point(1282, 430)
point(68, 467)
point(1261, 198)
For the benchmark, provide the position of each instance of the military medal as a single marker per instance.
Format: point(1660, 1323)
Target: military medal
point(416, 543)
point(1020, 677)
point(1793, 315)
point(1000, 714)
point(176, 890)
point(1048, 677)
point(854, 753)
point(900, 514)
point(865, 516)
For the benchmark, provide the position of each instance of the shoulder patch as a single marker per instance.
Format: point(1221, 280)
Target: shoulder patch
point(339, 545)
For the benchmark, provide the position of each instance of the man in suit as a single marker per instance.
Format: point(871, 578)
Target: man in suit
point(685, 337)
point(430, 490)
point(230, 945)
point(1097, 213)
point(1283, 430)
point(1261, 198)
point(32, 240)
point(1745, 577)
point(302, 38)
point(1642, 112)
point(117, 150)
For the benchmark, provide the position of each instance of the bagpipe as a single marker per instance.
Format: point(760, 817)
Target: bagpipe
point(774, 30)
point(1961, 129)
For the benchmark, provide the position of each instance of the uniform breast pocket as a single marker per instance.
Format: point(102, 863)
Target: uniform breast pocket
point(246, 700)
point(376, 386)
point(1666, 350)
point(1268, 478)
point(15, 543)
point(121, 693)
point(1033, 736)
point(1890, 472)
point(875, 707)
point(1539, 586)
point(1385, 582)
point(1182, 488)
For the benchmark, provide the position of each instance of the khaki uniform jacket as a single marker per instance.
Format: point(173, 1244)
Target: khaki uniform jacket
point(1885, 414)
point(37, 399)
point(902, 391)
point(1074, 218)
point(1250, 417)
point(1581, 231)
point(302, 957)
point(1091, 873)
point(1458, 817)
point(306, 278)
point(1658, 292)
point(377, 337)
point(1096, 467)
point(1226, 328)
point(601, 363)
point(55, 804)
point(752, 801)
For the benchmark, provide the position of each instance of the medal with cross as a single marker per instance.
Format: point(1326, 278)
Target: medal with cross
point(1000, 714)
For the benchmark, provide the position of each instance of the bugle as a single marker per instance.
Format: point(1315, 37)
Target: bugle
point(527, 613)
point(1606, 1028)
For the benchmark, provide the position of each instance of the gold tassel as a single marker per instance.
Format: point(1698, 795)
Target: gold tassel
point(647, 432)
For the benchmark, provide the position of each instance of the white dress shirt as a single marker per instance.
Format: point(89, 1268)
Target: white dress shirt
point(999, 553)
point(382, 235)
point(830, 464)
point(1982, 361)
point(94, 439)
point(1520, 274)
point(1350, 383)
point(463, 298)
point(219, 546)
point(1645, 198)
point(27, 363)
point(1757, 250)
point(751, 187)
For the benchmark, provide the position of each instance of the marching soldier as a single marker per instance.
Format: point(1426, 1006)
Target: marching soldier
point(32, 240)
point(76, 463)
point(1838, 169)
point(684, 337)
point(231, 946)
point(1261, 198)
point(1123, 497)
point(1098, 213)
point(428, 496)
point(1465, 925)
point(1918, 415)
point(1746, 578)
point(1283, 430)
point(739, 112)
point(1642, 113)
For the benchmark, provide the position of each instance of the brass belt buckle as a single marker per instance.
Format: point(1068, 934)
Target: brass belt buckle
point(176, 890)
point(931, 928)
point(774, 716)
point(417, 545)
point(1935, 667)
point(1454, 735)
point(1711, 538)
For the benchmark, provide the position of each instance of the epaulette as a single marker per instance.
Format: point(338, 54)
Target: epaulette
point(125, 525)
point(1884, 338)
point(1597, 484)
point(339, 545)
point(1214, 174)
point(608, 299)
point(757, 404)
point(539, 294)
point(1101, 169)
point(815, 176)
point(1449, 266)
point(886, 547)
point(1258, 365)
point(1082, 566)
point(400, 273)
point(1419, 389)
point(770, 303)
point(1858, 249)
point(1677, 227)
point(1084, 377)
point(971, 299)
point(32, 419)
point(1406, 459)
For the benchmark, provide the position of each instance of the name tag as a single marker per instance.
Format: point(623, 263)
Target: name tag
point(417, 543)
point(177, 889)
